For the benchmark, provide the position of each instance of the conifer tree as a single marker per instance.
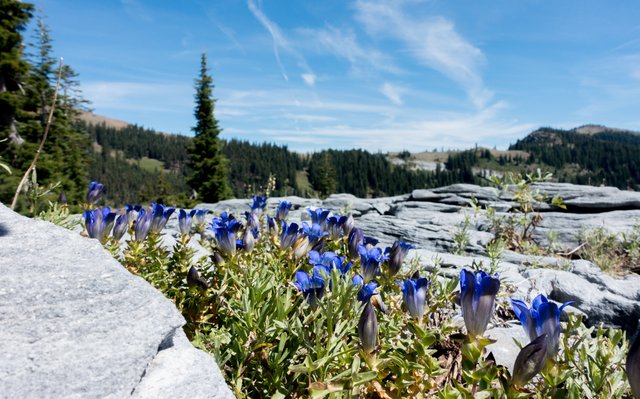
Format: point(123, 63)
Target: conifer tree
point(210, 168)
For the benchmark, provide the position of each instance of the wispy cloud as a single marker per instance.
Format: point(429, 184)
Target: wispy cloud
point(279, 40)
point(433, 41)
point(343, 43)
point(335, 123)
point(136, 10)
point(392, 92)
point(226, 31)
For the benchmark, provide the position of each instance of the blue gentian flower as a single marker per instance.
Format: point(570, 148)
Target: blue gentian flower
point(414, 293)
point(143, 224)
point(199, 217)
point(95, 192)
point(370, 260)
point(396, 254)
point(355, 240)
point(288, 235)
point(319, 216)
point(283, 210)
point(334, 226)
point(542, 318)
point(477, 298)
point(161, 216)
point(312, 287)
point(99, 222)
point(225, 239)
point(315, 235)
point(258, 205)
point(367, 290)
point(184, 221)
point(370, 241)
point(329, 260)
point(122, 222)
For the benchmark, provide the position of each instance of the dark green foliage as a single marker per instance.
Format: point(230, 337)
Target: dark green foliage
point(210, 176)
point(65, 155)
point(364, 174)
point(252, 164)
point(609, 157)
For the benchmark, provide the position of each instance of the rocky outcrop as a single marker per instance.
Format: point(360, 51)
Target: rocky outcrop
point(429, 219)
point(75, 324)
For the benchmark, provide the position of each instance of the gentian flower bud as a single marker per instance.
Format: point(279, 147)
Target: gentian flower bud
point(195, 280)
point(348, 224)
point(121, 224)
point(414, 293)
point(161, 216)
point(143, 224)
point(396, 254)
point(184, 221)
point(301, 246)
point(252, 220)
point(633, 367)
point(355, 240)
point(95, 192)
point(217, 259)
point(289, 235)
point(370, 260)
point(62, 198)
point(312, 288)
point(248, 241)
point(272, 226)
point(542, 318)
point(368, 328)
point(283, 210)
point(478, 295)
point(530, 361)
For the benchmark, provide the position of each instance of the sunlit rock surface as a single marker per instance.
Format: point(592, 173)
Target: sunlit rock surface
point(75, 324)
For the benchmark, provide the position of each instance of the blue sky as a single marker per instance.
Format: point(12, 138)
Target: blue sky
point(377, 75)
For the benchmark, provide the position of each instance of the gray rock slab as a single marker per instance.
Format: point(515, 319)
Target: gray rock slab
point(505, 350)
point(73, 322)
point(589, 197)
point(179, 371)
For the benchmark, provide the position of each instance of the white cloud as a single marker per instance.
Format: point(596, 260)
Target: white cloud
point(433, 41)
point(343, 44)
point(392, 92)
point(309, 79)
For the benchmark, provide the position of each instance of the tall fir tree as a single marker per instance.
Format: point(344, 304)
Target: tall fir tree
point(210, 177)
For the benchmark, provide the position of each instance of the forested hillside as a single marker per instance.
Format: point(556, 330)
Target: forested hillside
point(140, 163)
point(609, 157)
